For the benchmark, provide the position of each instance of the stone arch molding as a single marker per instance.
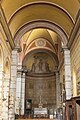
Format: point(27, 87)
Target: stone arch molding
point(44, 24)
point(53, 55)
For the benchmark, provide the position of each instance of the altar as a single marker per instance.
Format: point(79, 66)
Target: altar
point(40, 113)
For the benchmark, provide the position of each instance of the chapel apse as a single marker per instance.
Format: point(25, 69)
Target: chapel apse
point(40, 56)
point(40, 80)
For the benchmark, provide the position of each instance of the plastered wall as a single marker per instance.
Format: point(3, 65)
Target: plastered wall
point(75, 65)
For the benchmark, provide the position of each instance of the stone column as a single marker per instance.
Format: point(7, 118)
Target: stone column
point(18, 92)
point(1, 90)
point(57, 92)
point(13, 85)
point(23, 95)
point(67, 67)
point(5, 103)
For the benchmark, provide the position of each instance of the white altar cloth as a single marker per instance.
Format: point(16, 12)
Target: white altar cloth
point(40, 111)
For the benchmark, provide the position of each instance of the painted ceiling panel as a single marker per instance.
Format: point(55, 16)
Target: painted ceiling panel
point(24, 38)
point(46, 12)
point(39, 33)
point(53, 35)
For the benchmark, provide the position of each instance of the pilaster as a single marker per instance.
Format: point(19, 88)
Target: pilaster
point(18, 93)
point(1, 90)
point(13, 84)
point(57, 92)
point(23, 95)
point(67, 67)
point(5, 103)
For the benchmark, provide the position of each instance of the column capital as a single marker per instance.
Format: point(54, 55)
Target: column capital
point(18, 48)
point(65, 48)
point(56, 70)
point(24, 69)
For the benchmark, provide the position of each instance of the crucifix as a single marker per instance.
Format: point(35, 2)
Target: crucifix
point(40, 103)
point(40, 99)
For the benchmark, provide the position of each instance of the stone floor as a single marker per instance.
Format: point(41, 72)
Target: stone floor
point(36, 119)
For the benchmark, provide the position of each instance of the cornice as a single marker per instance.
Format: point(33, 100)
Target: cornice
point(75, 30)
point(6, 28)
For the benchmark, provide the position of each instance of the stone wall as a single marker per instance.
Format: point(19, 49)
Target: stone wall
point(4, 74)
point(41, 86)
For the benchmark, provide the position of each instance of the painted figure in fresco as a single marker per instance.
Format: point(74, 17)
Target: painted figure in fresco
point(47, 67)
point(40, 65)
point(33, 67)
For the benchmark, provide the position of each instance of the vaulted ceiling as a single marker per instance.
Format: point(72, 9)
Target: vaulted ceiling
point(20, 13)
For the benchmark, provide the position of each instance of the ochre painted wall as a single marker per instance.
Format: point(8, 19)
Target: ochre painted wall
point(75, 64)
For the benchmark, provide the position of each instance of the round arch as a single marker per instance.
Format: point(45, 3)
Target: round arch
point(53, 55)
point(41, 24)
point(43, 3)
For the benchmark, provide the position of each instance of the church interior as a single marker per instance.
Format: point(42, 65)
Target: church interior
point(40, 59)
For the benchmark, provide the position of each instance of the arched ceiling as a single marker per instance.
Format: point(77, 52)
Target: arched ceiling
point(29, 41)
point(39, 34)
point(59, 12)
point(29, 60)
point(10, 7)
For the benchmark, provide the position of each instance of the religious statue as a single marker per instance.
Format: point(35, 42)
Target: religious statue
point(33, 67)
point(40, 64)
point(47, 66)
point(40, 103)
